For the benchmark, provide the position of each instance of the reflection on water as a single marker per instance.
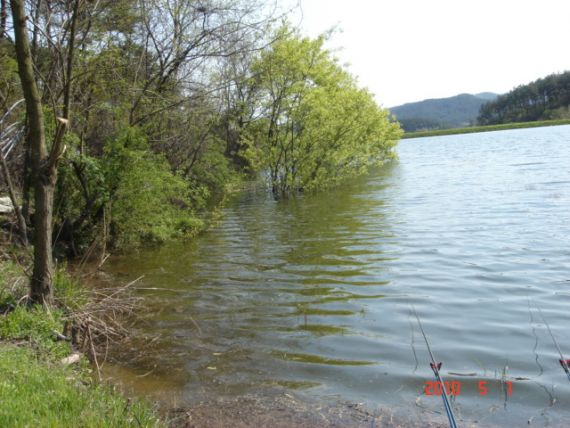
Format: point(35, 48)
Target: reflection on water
point(314, 293)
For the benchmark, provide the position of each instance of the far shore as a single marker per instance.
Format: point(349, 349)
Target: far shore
point(488, 128)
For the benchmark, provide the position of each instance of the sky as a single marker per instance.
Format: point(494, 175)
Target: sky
point(410, 50)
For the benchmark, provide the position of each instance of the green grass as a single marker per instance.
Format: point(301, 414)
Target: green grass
point(35, 327)
point(473, 129)
point(13, 284)
point(35, 388)
point(34, 393)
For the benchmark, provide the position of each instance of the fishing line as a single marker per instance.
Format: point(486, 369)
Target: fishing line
point(536, 356)
point(563, 361)
point(413, 342)
point(435, 366)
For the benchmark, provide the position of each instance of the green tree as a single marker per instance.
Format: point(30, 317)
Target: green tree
point(148, 203)
point(317, 127)
point(543, 99)
point(43, 162)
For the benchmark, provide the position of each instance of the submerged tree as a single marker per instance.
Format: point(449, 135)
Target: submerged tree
point(317, 127)
point(148, 66)
point(169, 99)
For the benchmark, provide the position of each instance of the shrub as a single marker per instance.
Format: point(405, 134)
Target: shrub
point(149, 203)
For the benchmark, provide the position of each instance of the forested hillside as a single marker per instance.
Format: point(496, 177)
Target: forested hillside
point(544, 99)
point(442, 113)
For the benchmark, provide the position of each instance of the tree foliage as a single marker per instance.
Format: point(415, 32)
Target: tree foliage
point(543, 99)
point(148, 203)
point(168, 102)
point(315, 127)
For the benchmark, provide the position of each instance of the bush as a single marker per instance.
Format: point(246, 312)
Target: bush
point(81, 195)
point(149, 204)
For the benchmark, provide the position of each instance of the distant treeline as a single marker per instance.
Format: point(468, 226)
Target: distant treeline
point(544, 99)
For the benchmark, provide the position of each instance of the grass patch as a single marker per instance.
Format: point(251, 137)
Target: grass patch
point(68, 293)
point(35, 393)
point(13, 285)
point(488, 128)
point(36, 327)
point(35, 387)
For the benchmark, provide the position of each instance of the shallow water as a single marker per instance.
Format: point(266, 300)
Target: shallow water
point(314, 294)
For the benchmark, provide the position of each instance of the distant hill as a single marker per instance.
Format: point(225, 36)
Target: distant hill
point(441, 113)
point(489, 96)
point(544, 99)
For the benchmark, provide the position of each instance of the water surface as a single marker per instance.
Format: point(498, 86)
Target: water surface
point(313, 294)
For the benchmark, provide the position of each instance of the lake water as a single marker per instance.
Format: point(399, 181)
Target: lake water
point(314, 294)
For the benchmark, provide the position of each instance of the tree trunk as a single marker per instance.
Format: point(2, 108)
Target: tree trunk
point(44, 166)
point(41, 287)
point(27, 180)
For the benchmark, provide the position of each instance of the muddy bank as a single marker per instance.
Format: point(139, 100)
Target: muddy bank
point(283, 410)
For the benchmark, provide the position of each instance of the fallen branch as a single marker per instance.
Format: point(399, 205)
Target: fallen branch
point(94, 354)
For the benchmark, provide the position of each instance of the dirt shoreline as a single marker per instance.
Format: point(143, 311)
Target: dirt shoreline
point(284, 410)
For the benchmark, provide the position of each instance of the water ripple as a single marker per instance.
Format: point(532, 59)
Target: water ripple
point(315, 291)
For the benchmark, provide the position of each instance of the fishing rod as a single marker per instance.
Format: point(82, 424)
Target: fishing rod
point(564, 362)
point(435, 366)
